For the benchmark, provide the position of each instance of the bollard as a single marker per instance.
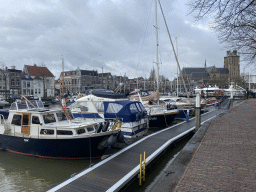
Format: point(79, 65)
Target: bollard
point(215, 105)
point(187, 116)
point(198, 112)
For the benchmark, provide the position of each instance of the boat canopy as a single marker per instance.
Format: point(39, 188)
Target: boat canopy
point(128, 111)
point(27, 104)
point(107, 94)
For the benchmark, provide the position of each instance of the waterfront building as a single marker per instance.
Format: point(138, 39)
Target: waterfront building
point(43, 80)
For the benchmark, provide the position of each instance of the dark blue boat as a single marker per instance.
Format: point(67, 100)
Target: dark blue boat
point(34, 130)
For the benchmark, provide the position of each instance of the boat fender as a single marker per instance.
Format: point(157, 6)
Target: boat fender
point(99, 128)
point(120, 136)
point(112, 140)
point(105, 126)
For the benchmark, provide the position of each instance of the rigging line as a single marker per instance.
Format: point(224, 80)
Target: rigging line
point(174, 52)
point(149, 10)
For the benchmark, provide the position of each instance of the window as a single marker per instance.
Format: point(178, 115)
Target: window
point(25, 120)
point(63, 132)
point(28, 84)
point(61, 116)
point(90, 129)
point(16, 120)
point(49, 118)
point(46, 131)
point(24, 84)
point(17, 74)
point(114, 108)
point(35, 120)
point(80, 131)
point(17, 82)
point(133, 108)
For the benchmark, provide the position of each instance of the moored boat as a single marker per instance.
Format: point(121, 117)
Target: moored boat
point(33, 130)
point(110, 109)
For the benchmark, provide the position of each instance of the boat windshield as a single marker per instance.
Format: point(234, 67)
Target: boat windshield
point(25, 104)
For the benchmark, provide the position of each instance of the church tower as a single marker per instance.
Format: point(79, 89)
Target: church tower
point(232, 63)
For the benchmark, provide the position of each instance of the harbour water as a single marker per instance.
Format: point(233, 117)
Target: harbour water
point(27, 173)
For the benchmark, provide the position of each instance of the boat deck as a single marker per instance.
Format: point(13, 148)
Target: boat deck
point(114, 172)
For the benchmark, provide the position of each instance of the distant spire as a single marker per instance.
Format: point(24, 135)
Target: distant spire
point(205, 64)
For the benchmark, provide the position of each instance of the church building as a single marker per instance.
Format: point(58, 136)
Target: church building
point(229, 72)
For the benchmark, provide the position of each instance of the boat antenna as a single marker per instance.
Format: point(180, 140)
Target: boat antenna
point(174, 53)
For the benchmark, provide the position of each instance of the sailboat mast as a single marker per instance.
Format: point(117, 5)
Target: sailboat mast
point(62, 77)
point(157, 61)
point(177, 69)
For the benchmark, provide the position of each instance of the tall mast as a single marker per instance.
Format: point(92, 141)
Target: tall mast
point(62, 76)
point(177, 69)
point(157, 61)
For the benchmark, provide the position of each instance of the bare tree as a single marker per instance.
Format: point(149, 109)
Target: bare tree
point(234, 21)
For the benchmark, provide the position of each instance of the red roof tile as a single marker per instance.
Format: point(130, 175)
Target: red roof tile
point(39, 71)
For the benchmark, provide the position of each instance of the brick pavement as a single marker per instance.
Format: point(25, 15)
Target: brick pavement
point(226, 157)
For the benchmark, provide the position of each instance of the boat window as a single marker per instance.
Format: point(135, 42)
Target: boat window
point(46, 131)
point(69, 113)
point(61, 116)
point(13, 106)
point(114, 108)
point(99, 106)
point(80, 131)
point(35, 120)
point(63, 132)
point(16, 120)
point(133, 108)
point(90, 129)
point(25, 119)
point(49, 118)
point(138, 106)
point(142, 107)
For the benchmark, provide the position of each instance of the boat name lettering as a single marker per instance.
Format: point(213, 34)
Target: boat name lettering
point(26, 140)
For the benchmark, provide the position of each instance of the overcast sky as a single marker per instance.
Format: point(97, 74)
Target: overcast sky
point(118, 35)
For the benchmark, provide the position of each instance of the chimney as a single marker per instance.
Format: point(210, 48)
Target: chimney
point(235, 52)
point(228, 53)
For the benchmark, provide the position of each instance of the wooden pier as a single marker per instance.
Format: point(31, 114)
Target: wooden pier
point(117, 170)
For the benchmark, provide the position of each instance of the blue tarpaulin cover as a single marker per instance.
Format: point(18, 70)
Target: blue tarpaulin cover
point(128, 111)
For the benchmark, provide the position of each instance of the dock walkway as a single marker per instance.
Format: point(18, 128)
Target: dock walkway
point(114, 172)
point(226, 157)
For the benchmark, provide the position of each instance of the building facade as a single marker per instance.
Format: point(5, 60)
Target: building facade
point(44, 80)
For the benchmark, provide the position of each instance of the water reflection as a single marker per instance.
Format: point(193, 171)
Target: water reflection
point(26, 173)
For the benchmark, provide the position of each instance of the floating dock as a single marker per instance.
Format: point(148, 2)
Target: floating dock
point(117, 170)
